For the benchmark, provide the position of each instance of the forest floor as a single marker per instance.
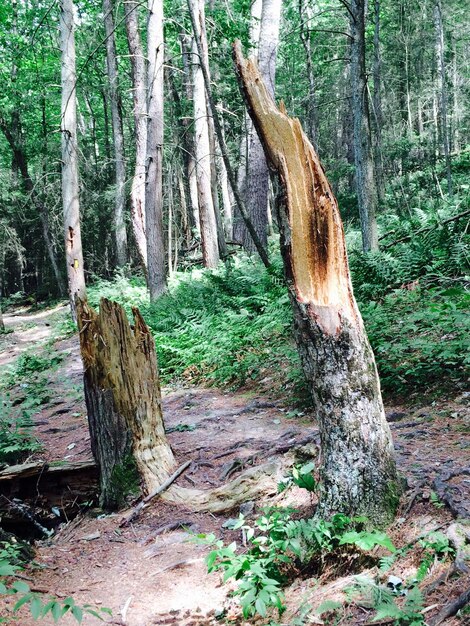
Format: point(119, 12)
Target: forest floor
point(149, 576)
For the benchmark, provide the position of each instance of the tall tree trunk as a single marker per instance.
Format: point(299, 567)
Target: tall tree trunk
point(257, 187)
point(358, 472)
point(227, 197)
point(365, 179)
point(185, 144)
point(306, 15)
point(239, 227)
point(156, 277)
point(207, 217)
point(186, 44)
point(140, 121)
point(377, 104)
point(122, 394)
point(456, 113)
point(116, 114)
point(220, 137)
point(68, 127)
point(441, 73)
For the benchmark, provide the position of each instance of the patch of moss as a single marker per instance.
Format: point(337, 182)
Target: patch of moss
point(124, 481)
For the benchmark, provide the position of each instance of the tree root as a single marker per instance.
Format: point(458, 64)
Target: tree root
point(451, 609)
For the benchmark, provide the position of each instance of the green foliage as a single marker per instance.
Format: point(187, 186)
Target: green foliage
point(276, 542)
point(11, 584)
point(16, 439)
point(29, 365)
point(406, 612)
point(234, 325)
point(302, 477)
point(420, 337)
point(435, 546)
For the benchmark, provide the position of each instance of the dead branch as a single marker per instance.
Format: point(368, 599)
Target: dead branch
point(144, 503)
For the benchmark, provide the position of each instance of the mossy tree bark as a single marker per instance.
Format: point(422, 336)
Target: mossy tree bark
point(358, 467)
point(122, 393)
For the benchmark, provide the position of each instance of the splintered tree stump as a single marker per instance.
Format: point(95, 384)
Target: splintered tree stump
point(358, 468)
point(122, 394)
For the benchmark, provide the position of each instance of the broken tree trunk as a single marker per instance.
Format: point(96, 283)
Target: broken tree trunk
point(122, 393)
point(358, 469)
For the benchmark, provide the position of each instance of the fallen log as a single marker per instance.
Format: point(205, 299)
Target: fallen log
point(62, 486)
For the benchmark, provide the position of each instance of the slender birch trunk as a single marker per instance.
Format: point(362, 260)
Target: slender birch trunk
point(156, 275)
point(70, 189)
point(190, 162)
point(365, 179)
point(239, 227)
point(118, 136)
point(140, 128)
point(377, 103)
point(257, 184)
point(442, 96)
point(306, 15)
point(207, 217)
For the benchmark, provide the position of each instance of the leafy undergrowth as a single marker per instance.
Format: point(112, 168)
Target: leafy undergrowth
point(23, 391)
point(233, 326)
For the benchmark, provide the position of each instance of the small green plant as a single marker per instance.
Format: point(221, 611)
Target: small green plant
point(435, 546)
point(276, 543)
point(402, 606)
point(11, 584)
point(301, 476)
point(435, 500)
point(16, 439)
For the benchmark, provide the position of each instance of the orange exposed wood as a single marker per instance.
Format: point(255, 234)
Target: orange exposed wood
point(314, 237)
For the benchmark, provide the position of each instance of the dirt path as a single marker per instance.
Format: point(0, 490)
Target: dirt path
point(147, 576)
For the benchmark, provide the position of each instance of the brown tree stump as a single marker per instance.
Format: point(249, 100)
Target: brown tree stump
point(122, 394)
point(358, 469)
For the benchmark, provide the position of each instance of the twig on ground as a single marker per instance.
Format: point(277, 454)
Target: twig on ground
point(144, 503)
point(176, 565)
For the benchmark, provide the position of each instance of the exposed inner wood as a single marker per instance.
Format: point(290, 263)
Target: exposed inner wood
point(358, 467)
point(318, 259)
point(122, 392)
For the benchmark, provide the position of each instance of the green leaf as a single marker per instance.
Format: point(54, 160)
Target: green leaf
point(260, 607)
point(8, 570)
point(77, 613)
point(20, 587)
point(326, 606)
point(387, 610)
point(24, 600)
point(36, 607)
point(56, 611)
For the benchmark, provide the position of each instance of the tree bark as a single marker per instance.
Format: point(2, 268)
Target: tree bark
point(238, 223)
point(257, 182)
point(441, 72)
point(358, 471)
point(207, 217)
point(156, 275)
point(365, 179)
point(218, 129)
point(140, 122)
point(122, 393)
point(118, 136)
point(377, 104)
point(186, 43)
point(68, 127)
point(306, 15)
